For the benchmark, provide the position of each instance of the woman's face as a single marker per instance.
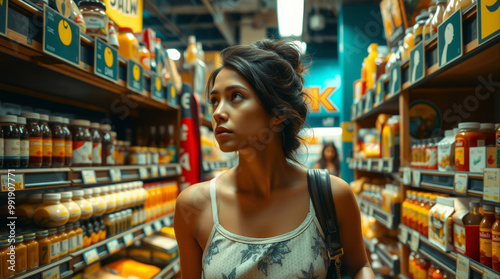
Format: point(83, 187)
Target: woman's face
point(330, 153)
point(238, 119)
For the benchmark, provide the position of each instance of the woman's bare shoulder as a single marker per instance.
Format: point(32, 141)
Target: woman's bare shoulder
point(194, 198)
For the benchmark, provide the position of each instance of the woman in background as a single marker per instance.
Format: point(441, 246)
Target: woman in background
point(329, 159)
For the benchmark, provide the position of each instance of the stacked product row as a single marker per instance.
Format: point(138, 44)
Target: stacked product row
point(381, 141)
point(421, 268)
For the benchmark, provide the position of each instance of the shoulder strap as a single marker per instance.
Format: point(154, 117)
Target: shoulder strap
point(318, 181)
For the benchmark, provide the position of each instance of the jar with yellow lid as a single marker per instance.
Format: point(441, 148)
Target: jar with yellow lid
point(51, 213)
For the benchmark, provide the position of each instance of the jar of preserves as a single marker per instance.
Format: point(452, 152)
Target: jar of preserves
point(35, 138)
point(96, 20)
point(25, 142)
point(468, 136)
point(42, 237)
point(96, 144)
point(68, 143)
point(408, 43)
point(47, 141)
point(21, 252)
point(79, 235)
point(437, 19)
point(55, 244)
point(418, 28)
point(427, 27)
point(51, 213)
point(108, 149)
point(72, 242)
point(58, 142)
point(162, 156)
point(12, 141)
point(82, 143)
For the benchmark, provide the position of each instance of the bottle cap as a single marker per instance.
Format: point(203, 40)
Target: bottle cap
point(51, 196)
point(488, 207)
point(487, 126)
point(469, 125)
point(96, 191)
point(66, 195)
point(8, 118)
point(105, 127)
point(65, 121)
point(87, 192)
point(77, 193)
point(44, 117)
point(56, 119)
point(95, 125)
point(31, 115)
point(80, 122)
point(21, 120)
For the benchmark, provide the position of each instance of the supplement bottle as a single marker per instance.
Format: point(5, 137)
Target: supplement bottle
point(47, 141)
point(25, 142)
point(58, 142)
point(485, 249)
point(12, 142)
point(35, 138)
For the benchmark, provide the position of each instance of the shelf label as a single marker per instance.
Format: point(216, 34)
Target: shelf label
point(89, 176)
point(491, 191)
point(450, 39)
point(154, 171)
point(163, 171)
point(176, 267)
point(90, 256)
point(370, 210)
point(403, 235)
point(4, 8)
point(157, 225)
point(415, 240)
point(488, 26)
point(106, 61)
point(12, 182)
point(359, 110)
point(417, 63)
point(360, 164)
point(395, 82)
point(115, 174)
point(167, 221)
point(128, 239)
point(53, 273)
point(461, 181)
point(463, 267)
point(380, 92)
point(390, 166)
point(368, 103)
point(380, 165)
point(143, 173)
point(416, 178)
point(488, 274)
point(369, 164)
point(148, 230)
point(353, 112)
point(61, 36)
point(135, 77)
point(406, 176)
point(157, 92)
point(113, 246)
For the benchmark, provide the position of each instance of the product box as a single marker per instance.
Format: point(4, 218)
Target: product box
point(481, 158)
point(441, 223)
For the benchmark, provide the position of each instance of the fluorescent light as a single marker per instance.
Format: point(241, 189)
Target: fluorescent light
point(173, 54)
point(290, 17)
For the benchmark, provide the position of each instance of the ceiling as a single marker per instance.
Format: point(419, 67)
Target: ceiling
point(221, 23)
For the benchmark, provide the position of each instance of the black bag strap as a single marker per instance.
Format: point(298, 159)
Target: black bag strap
point(318, 182)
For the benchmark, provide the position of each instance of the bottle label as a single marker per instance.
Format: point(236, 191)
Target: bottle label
point(96, 24)
point(498, 150)
point(36, 146)
point(97, 153)
point(459, 152)
point(55, 249)
point(495, 249)
point(25, 149)
point(485, 242)
point(110, 159)
point(79, 240)
point(459, 239)
point(431, 157)
point(12, 148)
point(73, 243)
point(64, 246)
point(58, 148)
point(444, 157)
point(68, 152)
point(82, 152)
point(1, 148)
point(47, 147)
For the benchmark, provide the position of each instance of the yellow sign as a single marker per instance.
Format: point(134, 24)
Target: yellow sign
point(489, 19)
point(347, 131)
point(125, 13)
point(322, 99)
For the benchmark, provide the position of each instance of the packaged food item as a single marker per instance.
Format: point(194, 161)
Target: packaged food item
point(51, 213)
point(42, 237)
point(485, 248)
point(441, 223)
point(12, 141)
point(160, 57)
point(68, 142)
point(108, 148)
point(55, 244)
point(74, 210)
point(24, 140)
point(26, 210)
point(31, 251)
point(490, 160)
point(102, 230)
point(446, 152)
point(468, 136)
point(466, 231)
point(371, 66)
point(77, 17)
point(114, 146)
point(423, 266)
point(94, 237)
point(96, 144)
point(409, 43)
point(46, 141)
point(85, 206)
point(431, 154)
point(96, 20)
point(72, 241)
point(21, 252)
point(430, 271)
point(58, 142)
point(129, 45)
point(144, 56)
point(82, 143)
point(63, 238)
point(98, 203)
point(110, 201)
point(427, 31)
point(437, 19)
point(112, 35)
point(495, 241)
point(418, 28)
point(79, 235)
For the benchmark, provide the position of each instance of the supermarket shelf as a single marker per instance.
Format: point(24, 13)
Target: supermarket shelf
point(218, 165)
point(378, 248)
point(390, 220)
point(43, 177)
point(382, 165)
point(371, 104)
point(369, 244)
point(445, 260)
point(169, 271)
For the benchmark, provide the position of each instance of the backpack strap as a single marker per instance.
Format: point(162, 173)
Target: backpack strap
point(318, 182)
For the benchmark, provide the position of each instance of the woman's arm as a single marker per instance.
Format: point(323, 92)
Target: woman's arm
point(354, 260)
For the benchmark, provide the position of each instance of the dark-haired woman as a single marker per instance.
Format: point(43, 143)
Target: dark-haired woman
point(256, 220)
point(329, 159)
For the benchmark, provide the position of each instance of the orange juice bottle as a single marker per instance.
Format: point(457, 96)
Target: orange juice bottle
point(485, 235)
point(158, 201)
point(405, 205)
point(431, 201)
point(414, 212)
point(438, 274)
point(423, 266)
point(411, 265)
point(371, 65)
point(495, 241)
point(420, 212)
point(191, 53)
point(430, 271)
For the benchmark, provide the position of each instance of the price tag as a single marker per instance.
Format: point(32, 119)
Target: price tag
point(106, 61)
point(488, 274)
point(157, 92)
point(403, 235)
point(415, 240)
point(135, 77)
point(90, 256)
point(53, 273)
point(113, 246)
point(163, 171)
point(89, 176)
point(370, 164)
point(12, 182)
point(416, 178)
point(390, 166)
point(380, 165)
point(491, 191)
point(3, 17)
point(148, 230)
point(167, 221)
point(406, 176)
point(360, 108)
point(353, 112)
point(450, 39)
point(158, 226)
point(128, 239)
point(176, 267)
point(154, 171)
point(463, 267)
point(61, 36)
point(461, 180)
point(115, 174)
point(143, 173)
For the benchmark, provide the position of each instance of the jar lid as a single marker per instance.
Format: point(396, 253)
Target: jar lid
point(66, 195)
point(56, 119)
point(92, 2)
point(69, 225)
point(42, 232)
point(468, 125)
point(65, 121)
point(487, 126)
point(78, 193)
point(105, 127)
point(125, 29)
point(113, 134)
point(96, 191)
point(488, 207)
point(30, 235)
point(51, 196)
point(61, 229)
point(31, 115)
point(80, 122)
point(119, 187)
point(44, 117)
point(456, 130)
point(19, 238)
point(95, 125)
point(77, 224)
point(8, 118)
point(87, 192)
point(105, 189)
point(52, 230)
point(21, 120)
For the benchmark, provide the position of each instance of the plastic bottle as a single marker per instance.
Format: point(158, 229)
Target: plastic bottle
point(95, 234)
point(409, 43)
point(110, 201)
point(191, 53)
point(63, 238)
point(430, 271)
point(466, 231)
point(98, 203)
point(47, 141)
point(144, 56)
point(79, 235)
point(411, 265)
point(485, 250)
point(405, 208)
point(72, 241)
point(55, 244)
point(438, 274)
point(371, 66)
point(73, 208)
point(51, 213)
point(495, 241)
point(415, 210)
point(423, 266)
point(129, 45)
point(423, 213)
point(68, 142)
point(432, 152)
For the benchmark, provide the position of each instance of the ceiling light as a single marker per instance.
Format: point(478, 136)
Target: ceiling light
point(290, 17)
point(173, 54)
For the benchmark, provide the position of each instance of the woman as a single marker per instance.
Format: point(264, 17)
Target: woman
point(329, 159)
point(256, 220)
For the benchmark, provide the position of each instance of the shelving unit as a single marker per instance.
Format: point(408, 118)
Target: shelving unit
point(380, 165)
point(390, 220)
point(218, 165)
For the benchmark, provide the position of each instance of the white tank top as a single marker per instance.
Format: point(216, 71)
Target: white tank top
point(300, 253)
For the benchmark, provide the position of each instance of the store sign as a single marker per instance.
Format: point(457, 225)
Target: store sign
point(171, 93)
point(106, 61)
point(322, 99)
point(488, 13)
point(460, 183)
point(61, 37)
point(135, 77)
point(395, 82)
point(450, 39)
point(157, 92)
point(394, 20)
point(125, 13)
point(4, 8)
point(417, 63)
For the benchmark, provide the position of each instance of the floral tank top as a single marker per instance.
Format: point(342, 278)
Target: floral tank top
point(299, 254)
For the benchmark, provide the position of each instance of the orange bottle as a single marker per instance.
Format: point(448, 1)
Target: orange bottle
point(495, 241)
point(485, 250)
point(129, 45)
point(411, 265)
point(423, 266)
point(411, 207)
point(415, 215)
point(371, 65)
point(430, 271)
point(421, 212)
point(406, 204)
point(438, 274)
point(415, 266)
point(466, 231)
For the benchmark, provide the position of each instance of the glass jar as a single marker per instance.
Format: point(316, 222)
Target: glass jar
point(96, 144)
point(408, 43)
point(489, 132)
point(51, 213)
point(109, 198)
point(418, 28)
point(107, 145)
point(82, 143)
point(71, 237)
point(63, 238)
point(136, 156)
point(428, 23)
point(35, 138)
point(74, 210)
point(450, 9)
point(55, 244)
point(79, 235)
point(438, 16)
point(468, 136)
point(25, 142)
point(98, 204)
point(96, 20)
point(68, 143)
point(42, 237)
point(47, 141)
point(58, 142)
point(21, 252)
point(129, 45)
point(25, 211)
point(12, 141)
point(32, 250)
point(85, 205)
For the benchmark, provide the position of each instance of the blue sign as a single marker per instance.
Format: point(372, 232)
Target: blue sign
point(417, 63)
point(61, 37)
point(450, 39)
point(135, 77)
point(395, 82)
point(172, 97)
point(106, 61)
point(4, 7)
point(157, 92)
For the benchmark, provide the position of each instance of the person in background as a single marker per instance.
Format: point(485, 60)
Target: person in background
point(257, 220)
point(329, 159)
